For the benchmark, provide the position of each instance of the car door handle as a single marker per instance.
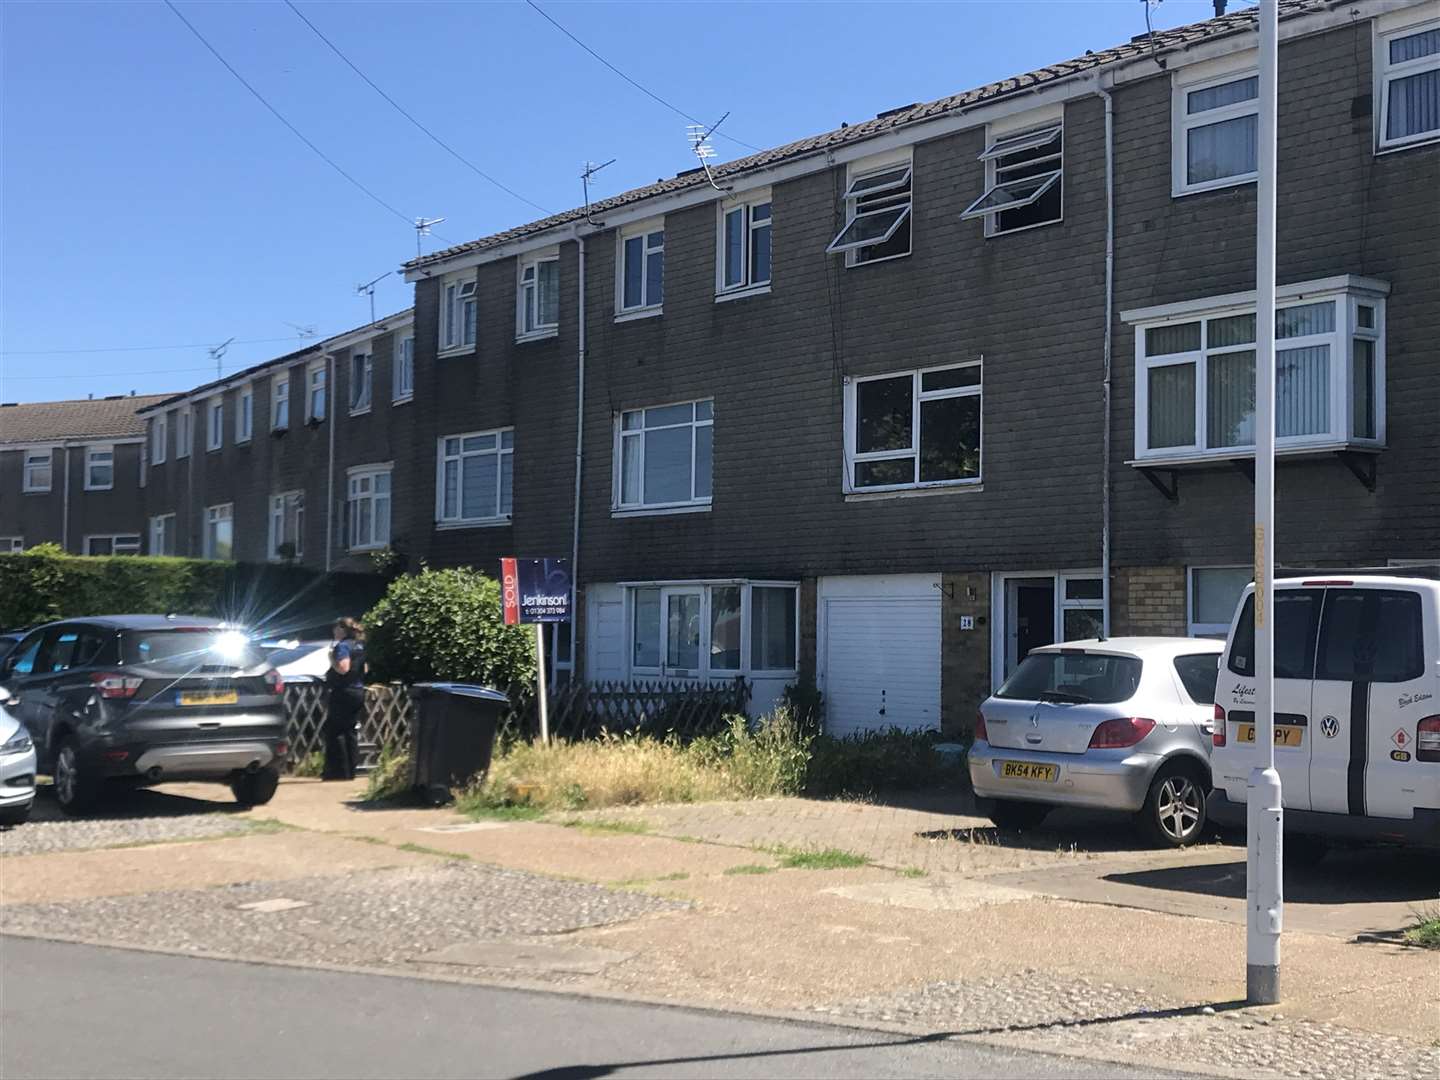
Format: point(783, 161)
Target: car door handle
point(208, 724)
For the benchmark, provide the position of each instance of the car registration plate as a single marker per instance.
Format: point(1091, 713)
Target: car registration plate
point(208, 697)
point(1027, 770)
point(1285, 734)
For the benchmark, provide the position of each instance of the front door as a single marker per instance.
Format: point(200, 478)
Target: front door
point(1029, 617)
point(683, 619)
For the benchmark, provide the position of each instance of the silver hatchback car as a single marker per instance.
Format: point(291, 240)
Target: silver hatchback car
point(1119, 724)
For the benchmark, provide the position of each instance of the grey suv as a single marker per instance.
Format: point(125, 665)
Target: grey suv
point(146, 698)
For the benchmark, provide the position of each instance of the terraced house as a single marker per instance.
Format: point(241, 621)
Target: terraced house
point(892, 405)
point(70, 474)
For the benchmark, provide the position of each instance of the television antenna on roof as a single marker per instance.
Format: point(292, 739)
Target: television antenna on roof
point(218, 352)
point(699, 136)
point(422, 228)
point(368, 289)
point(590, 170)
point(301, 331)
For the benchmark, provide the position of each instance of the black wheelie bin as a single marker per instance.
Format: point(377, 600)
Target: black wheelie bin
point(454, 735)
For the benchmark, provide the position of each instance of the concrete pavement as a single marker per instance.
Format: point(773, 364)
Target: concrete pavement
point(78, 1011)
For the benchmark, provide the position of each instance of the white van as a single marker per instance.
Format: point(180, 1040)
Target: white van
point(1357, 706)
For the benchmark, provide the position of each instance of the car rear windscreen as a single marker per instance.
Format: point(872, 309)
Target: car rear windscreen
point(1074, 676)
point(179, 649)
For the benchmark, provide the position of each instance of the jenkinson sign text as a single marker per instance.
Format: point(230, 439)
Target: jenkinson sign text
point(535, 590)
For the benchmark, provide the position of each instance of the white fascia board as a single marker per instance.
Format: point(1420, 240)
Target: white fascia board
point(1296, 291)
point(74, 444)
point(375, 466)
point(355, 337)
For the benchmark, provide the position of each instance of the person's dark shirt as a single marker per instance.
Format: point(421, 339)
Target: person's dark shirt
point(354, 679)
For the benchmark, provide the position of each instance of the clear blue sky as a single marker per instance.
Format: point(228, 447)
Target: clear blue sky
point(149, 200)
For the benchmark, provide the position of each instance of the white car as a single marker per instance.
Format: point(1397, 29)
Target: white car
point(299, 661)
point(1118, 724)
point(17, 767)
point(1357, 708)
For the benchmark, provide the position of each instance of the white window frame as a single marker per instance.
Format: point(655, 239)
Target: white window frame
point(120, 543)
point(30, 463)
point(361, 487)
point(162, 526)
point(214, 423)
point(11, 545)
point(647, 306)
point(213, 516)
point(459, 328)
point(182, 430)
point(1199, 629)
point(404, 361)
point(1347, 296)
point(702, 502)
point(364, 363)
point(1206, 77)
point(705, 588)
point(245, 414)
point(282, 506)
point(312, 386)
point(280, 397)
point(890, 194)
point(159, 438)
point(528, 290)
point(500, 452)
point(1007, 138)
point(917, 397)
point(92, 452)
point(1386, 29)
point(744, 205)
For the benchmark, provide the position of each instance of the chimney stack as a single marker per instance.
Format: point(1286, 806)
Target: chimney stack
point(1219, 8)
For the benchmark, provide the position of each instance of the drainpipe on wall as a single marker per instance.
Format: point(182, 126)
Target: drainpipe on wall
point(579, 459)
point(1109, 320)
point(330, 419)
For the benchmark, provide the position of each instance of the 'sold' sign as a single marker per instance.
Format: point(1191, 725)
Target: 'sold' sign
point(535, 590)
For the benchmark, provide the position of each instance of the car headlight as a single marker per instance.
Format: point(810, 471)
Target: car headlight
point(17, 743)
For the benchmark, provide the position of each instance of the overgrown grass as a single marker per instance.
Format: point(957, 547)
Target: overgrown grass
point(750, 868)
point(311, 765)
point(820, 859)
point(1426, 931)
point(632, 828)
point(891, 760)
point(390, 777)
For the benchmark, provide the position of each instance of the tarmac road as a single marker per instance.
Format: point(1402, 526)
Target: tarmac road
point(80, 1011)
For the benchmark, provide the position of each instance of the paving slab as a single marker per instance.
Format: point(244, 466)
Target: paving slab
point(529, 957)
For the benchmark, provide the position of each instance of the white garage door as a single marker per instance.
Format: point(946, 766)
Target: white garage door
point(880, 652)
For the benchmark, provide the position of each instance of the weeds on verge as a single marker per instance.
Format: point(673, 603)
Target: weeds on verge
point(820, 859)
point(1426, 931)
point(750, 868)
point(390, 777)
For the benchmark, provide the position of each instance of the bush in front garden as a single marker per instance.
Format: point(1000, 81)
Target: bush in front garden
point(446, 625)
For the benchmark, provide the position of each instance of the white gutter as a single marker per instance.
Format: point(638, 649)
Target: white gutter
point(331, 418)
point(579, 460)
point(1109, 321)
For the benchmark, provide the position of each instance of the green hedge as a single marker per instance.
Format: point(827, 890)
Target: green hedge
point(282, 601)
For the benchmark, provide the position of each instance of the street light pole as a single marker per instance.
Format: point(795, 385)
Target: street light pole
point(1263, 807)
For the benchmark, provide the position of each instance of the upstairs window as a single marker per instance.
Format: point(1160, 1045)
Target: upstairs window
point(1023, 183)
point(744, 246)
point(315, 400)
point(642, 268)
point(476, 478)
point(1195, 378)
point(1215, 129)
point(664, 455)
point(182, 431)
point(877, 214)
point(361, 376)
point(159, 440)
point(214, 423)
point(287, 525)
point(458, 306)
point(280, 403)
point(99, 468)
point(538, 298)
point(245, 414)
point(1407, 91)
point(38, 471)
point(913, 430)
point(404, 368)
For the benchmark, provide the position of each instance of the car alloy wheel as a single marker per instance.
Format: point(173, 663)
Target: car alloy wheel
point(1180, 807)
point(67, 778)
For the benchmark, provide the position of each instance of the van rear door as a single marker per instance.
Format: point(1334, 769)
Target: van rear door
point(1371, 689)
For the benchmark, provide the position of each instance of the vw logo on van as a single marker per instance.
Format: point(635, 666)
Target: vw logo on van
point(1330, 727)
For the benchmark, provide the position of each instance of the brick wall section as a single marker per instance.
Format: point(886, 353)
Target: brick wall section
point(1148, 600)
point(39, 517)
point(964, 654)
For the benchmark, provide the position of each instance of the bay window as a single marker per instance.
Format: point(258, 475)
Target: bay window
point(710, 630)
point(368, 508)
point(663, 456)
point(915, 429)
point(475, 478)
point(1407, 86)
point(1195, 372)
point(537, 305)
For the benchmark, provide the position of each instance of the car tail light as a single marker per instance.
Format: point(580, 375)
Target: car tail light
point(281, 749)
point(111, 685)
point(274, 681)
point(116, 755)
point(1217, 733)
point(980, 732)
point(1124, 731)
point(1427, 739)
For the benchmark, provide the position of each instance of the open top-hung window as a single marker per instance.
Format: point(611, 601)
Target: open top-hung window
point(538, 298)
point(1023, 184)
point(914, 429)
point(458, 307)
point(1407, 85)
point(1195, 373)
point(1215, 128)
point(878, 202)
point(663, 456)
